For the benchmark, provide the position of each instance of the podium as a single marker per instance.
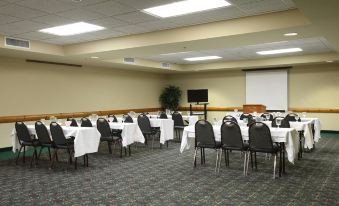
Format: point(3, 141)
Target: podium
point(250, 108)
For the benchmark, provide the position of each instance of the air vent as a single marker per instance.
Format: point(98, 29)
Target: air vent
point(129, 60)
point(19, 43)
point(166, 65)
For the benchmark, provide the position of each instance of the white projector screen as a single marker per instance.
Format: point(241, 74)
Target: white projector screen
point(267, 87)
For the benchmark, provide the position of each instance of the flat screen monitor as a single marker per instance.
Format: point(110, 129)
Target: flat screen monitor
point(197, 95)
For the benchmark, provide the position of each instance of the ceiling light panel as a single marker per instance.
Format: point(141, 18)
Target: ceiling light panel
point(191, 59)
point(185, 7)
point(279, 51)
point(72, 29)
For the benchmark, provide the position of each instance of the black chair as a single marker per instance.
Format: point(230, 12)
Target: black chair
point(26, 139)
point(231, 139)
point(107, 135)
point(292, 117)
point(128, 119)
point(85, 122)
point(229, 118)
point(264, 116)
point(73, 122)
point(204, 138)
point(260, 140)
point(44, 138)
point(284, 123)
point(163, 115)
point(113, 116)
point(147, 130)
point(245, 115)
point(178, 124)
point(63, 143)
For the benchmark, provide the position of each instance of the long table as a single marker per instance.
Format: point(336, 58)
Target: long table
point(87, 139)
point(288, 136)
point(166, 127)
point(191, 119)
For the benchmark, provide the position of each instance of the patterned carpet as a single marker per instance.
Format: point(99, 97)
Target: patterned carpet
point(163, 177)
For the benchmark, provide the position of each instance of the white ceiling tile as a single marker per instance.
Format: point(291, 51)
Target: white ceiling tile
point(157, 25)
point(53, 20)
point(80, 14)
point(136, 17)
point(2, 2)
point(110, 8)
point(20, 11)
point(22, 27)
point(35, 35)
point(5, 19)
point(82, 3)
point(131, 29)
point(50, 6)
point(109, 22)
point(144, 4)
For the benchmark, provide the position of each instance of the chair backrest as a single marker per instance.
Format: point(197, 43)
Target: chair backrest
point(42, 133)
point(245, 115)
point(57, 133)
point(291, 117)
point(284, 123)
point(260, 137)
point(163, 115)
point(231, 135)
point(104, 128)
point(144, 123)
point(177, 118)
point(264, 116)
point(22, 132)
point(128, 119)
point(73, 123)
point(85, 122)
point(229, 118)
point(113, 116)
point(204, 134)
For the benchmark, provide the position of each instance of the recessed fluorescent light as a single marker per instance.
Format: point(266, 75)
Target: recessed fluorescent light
point(291, 34)
point(94, 57)
point(329, 61)
point(191, 59)
point(174, 53)
point(279, 51)
point(185, 7)
point(72, 29)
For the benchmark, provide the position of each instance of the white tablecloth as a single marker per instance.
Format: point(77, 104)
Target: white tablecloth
point(305, 126)
point(86, 140)
point(130, 132)
point(191, 119)
point(166, 127)
point(317, 127)
point(287, 135)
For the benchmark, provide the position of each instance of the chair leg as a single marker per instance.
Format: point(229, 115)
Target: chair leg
point(225, 158)
point(40, 152)
point(121, 151)
point(220, 157)
point(203, 154)
point(280, 163)
point(195, 157)
point(49, 153)
point(129, 150)
point(17, 158)
point(36, 157)
point(251, 160)
point(248, 161)
point(125, 151)
point(217, 161)
point(274, 165)
point(24, 157)
point(201, 157)
point(245, 162)
point(255, 161)
point(167, 143)
point(75, 163)
point(109, 144)
point(54, 157)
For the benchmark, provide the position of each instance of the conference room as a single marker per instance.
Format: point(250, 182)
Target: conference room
point(169, 102)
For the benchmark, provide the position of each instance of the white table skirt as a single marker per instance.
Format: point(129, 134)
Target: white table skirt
point(166, 127)
point(130, 134)
point(317, 127)
point(305, 126)
point(191, 119)
point(289, 136)
point(86, 140)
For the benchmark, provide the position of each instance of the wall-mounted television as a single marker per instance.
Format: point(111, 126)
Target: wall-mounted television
point(197, 95)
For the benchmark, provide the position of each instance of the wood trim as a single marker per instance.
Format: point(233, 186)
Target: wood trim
point(294, 109)
point(35, 117)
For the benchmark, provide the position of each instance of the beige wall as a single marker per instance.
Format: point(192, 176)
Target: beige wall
point(30, 88)
point(314, 86)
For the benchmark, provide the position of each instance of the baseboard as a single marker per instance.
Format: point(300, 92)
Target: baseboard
point(330, 131)
point(5, 149)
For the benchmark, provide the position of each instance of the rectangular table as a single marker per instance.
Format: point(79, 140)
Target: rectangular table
point(317, 127)
point(288, 136)
point(87, 139)
point(130, 134)
point(166, 127)
point(191, 119)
